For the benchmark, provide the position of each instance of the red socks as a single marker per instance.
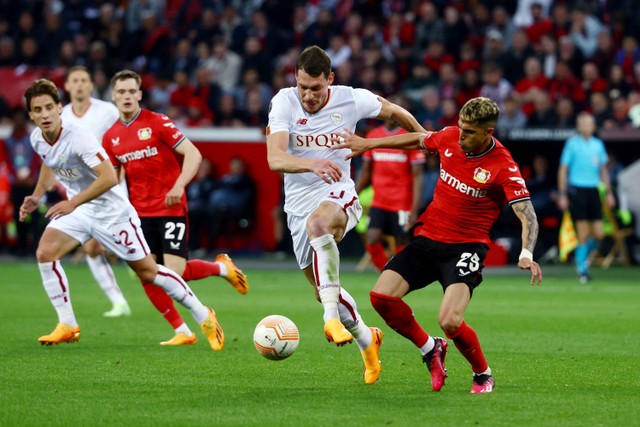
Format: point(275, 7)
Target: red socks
point(199, 269)
point(163, 303)
point(399, 316)
point(466, 340)
point(378, 255)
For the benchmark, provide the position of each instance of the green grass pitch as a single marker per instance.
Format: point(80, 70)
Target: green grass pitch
point(563, 354)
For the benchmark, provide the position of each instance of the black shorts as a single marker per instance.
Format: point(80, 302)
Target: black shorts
point(584, 203)
point(166, 235)
point(424, 261)
point(390, 222)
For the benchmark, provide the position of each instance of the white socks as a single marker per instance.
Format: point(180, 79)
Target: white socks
point(326, 268)
point(56, 286)
point(178, 289)
point(428, 346)
point(351, 320)
point(103, 273)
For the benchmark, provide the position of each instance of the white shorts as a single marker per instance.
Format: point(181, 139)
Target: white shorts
point(125, 240)
point(346, 198)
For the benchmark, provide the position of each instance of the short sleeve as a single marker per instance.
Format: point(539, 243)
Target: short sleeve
point(279, 114)
point(89, 149)
point(167, 131)
point(367, 103)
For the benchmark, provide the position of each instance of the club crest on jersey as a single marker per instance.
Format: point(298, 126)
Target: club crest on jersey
point(481, 175)
point(144, 133)
point(336, 118)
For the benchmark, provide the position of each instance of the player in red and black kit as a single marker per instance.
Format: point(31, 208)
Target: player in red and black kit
point(396, 178)
point(477, 177)
point(144, 144)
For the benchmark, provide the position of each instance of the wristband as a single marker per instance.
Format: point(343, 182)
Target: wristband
point(526, 253)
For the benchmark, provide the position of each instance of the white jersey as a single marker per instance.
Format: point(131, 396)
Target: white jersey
point(98, 118)
point(72, 158)
point(310, 137)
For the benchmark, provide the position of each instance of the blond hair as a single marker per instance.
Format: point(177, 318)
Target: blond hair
point(480, 111)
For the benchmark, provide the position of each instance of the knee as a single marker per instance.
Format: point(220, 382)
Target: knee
point(92, 249)
point(449, 322)
point(316, 226)
point(145, 272)
point(45, 253)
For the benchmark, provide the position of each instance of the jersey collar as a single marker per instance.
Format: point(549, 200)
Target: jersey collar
point(127, 124)
point(485, 152)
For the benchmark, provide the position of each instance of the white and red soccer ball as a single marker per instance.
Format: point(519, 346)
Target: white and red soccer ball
point(276, 337)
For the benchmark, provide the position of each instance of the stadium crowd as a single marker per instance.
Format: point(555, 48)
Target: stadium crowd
point(219, 62)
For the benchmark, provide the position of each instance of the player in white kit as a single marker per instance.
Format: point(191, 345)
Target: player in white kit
point(320, 198)
point(96, 207)
point(97, 116)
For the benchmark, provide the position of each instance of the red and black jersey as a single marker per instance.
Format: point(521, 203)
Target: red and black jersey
point(471, 191)
point(145, 148)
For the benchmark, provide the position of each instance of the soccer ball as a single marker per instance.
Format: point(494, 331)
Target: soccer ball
point(276, 337)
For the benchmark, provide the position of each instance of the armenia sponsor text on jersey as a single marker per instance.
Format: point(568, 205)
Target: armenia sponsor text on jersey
point(145, 147)
point(471, 191)
point(310, 137)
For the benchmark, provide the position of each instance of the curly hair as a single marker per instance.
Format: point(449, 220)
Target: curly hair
point(480, 111)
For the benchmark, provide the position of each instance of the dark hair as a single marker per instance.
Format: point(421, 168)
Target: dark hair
point(41, 87)
point(126, 75)
point(314, 61)
point(77, 68)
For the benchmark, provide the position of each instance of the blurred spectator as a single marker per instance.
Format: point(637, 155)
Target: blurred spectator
point(511, 116)
point(387, 80)
point(502, 22)
point(24, 168)
point(254, 114)
point(468, 59)
point(225, 65)
point(548, 55)
point(569, 54)
point(182, 91)
point(494, 49)
point(429, 27)
point(600, 108)
point(618, 85)
point(7, 52)
point(421, 76)
point(544, 114)
point(52, 35)
point(229, 23)
point(319, 31)
point(429, 113)
point(634, 110)
point(436, 55)
point(99, 60)
point(516, 56)
point(251, 82)
point(449, 114)
point(494, 86)
point(183, 59)
point(560, 19)
point(565, 84)
point(160, 94)
point(540, 24)
point(542, 187)
point(469, 87)
point(455, 30)
point(207, 92)
point(628, 55)
point(565, 113)
point(206, 29)
point(523, 16)
point(533, 80)
point(101, 86)
point(254, 57)
point(591, 80)
point(584, 31)
point(619, 115)
point(227, 115)
point(339, 51)
point(605, 52)
point(448, 81)
point(430, 178)
point(231, 204)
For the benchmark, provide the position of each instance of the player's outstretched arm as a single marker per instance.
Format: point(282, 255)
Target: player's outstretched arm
point(358, 145)
point(400, 115)
point(527, 215)
point(281, 161)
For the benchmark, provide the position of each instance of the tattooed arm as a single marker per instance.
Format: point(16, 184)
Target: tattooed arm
point(527, 215)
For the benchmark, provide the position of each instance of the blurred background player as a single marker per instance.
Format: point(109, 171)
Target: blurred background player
point(144, 144)
point(396, 178)
point(96, 207)
point(96, 116)
point(583, 166)
point(320, 198)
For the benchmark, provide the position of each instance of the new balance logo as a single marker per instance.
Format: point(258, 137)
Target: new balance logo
point(301, 122)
